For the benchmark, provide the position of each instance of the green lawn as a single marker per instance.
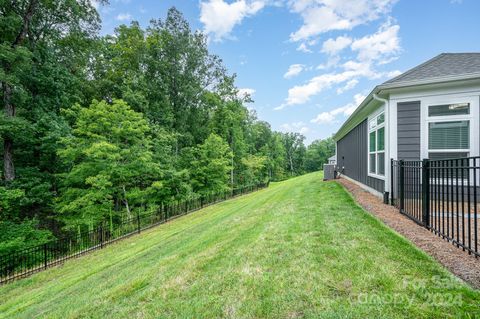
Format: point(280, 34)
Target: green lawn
point(299, 249)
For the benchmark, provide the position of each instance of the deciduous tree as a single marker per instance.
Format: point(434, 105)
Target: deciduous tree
point(109, 152)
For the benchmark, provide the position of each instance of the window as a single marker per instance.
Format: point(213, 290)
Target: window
point(448, 130)
point(376, 145)
point(449, 109)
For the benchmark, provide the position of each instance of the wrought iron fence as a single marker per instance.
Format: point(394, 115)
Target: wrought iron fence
point(27, 261)
point(441, 195)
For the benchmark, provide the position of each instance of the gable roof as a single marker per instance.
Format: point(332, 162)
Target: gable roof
point(445, 67)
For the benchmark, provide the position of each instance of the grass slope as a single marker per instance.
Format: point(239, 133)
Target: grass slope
point(300, 249)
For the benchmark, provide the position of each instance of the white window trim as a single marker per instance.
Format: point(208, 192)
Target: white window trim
point(473, 117)
point(450, 118)
point(372, 116)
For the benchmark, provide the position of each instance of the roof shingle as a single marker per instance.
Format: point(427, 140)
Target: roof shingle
point(443, 65)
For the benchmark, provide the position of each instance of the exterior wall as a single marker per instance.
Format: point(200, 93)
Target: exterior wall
point(404, 122)
point(352, 157)
point(408, 130)
point(409, 140)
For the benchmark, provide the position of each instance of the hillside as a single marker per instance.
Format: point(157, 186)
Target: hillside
point(299, 249)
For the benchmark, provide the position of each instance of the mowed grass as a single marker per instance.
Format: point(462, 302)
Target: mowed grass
point(299, 249)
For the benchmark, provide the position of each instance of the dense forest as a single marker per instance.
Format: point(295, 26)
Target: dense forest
point(99, 125)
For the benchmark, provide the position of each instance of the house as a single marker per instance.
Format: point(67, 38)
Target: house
point(332, 160)
point(430, 111)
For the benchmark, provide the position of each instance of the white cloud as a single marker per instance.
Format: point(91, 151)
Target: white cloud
point(294, 70)
point(220, 17)
point(298, 127)
point(346, 110)
point(124, 17)
point(393, 74)
point(382, 44)
point(301, 94)
point(318, 20)
point(320, 16)
point(388, 60)
point(242, 93)
point(324, 117)
point(350, 85)
point(331, 62)
point(333, 46)
point(372, 50)
point(304, 48)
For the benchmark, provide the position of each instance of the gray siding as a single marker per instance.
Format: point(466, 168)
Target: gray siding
point(408, 130)
point(352, 155)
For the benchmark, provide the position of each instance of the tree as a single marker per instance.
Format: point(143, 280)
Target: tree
point(255, 169)
point(295, 152)
point(276, 157)
point(110, 155)
point(211, 166)
point(16, 232)
point(17, 236)
point(166, 122)
point(182, 71)
point(229, 121)
point(318, 154)
point(25, 25)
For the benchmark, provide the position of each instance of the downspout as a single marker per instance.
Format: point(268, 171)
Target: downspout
point(387, 144)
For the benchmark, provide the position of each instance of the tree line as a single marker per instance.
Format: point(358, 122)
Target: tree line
point(95, 127)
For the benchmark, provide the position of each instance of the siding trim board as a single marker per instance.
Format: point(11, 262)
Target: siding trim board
point(352, 157)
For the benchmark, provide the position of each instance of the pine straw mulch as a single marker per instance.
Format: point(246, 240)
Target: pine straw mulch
point(459, 262)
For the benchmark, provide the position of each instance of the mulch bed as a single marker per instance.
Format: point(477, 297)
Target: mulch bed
point(459, 262)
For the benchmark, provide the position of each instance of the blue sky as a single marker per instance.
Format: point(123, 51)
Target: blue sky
point(309, 63)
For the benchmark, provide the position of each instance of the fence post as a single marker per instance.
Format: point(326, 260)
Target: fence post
point(426, 193)
point(391, 182)
point(45, 259)
point(401, 184)
point(101, 235)
point(162, 211)
point(138, 222)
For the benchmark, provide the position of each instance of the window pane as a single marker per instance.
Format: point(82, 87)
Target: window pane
point(372, 142)
point(381, 139)
point(449, 109)
point(381, 163)
point(448, 135)
point(381, 118)
point(372, 124)
point(372, 163)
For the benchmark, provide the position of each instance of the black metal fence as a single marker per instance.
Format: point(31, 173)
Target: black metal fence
point(27, 261)
point(441, 195)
